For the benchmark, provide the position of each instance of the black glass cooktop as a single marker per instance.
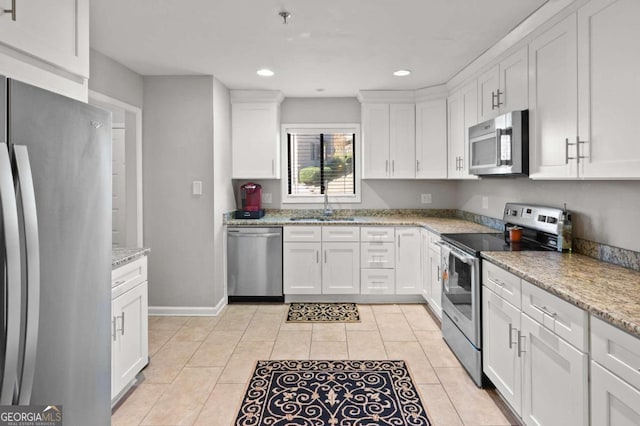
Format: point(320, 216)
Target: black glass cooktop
point(475, 243)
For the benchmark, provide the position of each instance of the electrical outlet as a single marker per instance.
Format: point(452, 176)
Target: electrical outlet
point(196, 187)
point(485, 202)
point(425, 198)
point(267, 198)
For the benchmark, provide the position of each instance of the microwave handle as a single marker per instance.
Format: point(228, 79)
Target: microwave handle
point(498, 147)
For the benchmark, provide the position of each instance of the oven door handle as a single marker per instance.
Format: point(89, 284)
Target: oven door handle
point(460, 255)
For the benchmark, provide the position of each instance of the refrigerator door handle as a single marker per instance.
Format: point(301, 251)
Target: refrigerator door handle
point(13, 298)
point(32, 250)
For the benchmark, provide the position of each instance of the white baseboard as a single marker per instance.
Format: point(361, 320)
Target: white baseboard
point(189, 311)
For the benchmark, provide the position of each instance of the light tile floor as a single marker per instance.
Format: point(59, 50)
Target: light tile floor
point(200, 365)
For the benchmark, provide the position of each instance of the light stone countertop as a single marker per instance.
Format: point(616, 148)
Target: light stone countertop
point(122, 256)
point(439, 225)
point(607, 291)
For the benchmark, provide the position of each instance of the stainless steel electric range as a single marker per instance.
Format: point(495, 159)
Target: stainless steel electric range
point(543, 228)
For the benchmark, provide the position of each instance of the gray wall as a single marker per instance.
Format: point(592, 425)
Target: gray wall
point(113, 79)
point(223, 193)
point(178, 226)
point(605, 211)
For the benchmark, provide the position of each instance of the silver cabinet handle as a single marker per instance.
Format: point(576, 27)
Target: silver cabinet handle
point(386, 167)
point(438, 272)
point(566, 151)
point(13, 10)
point(122, 329)
point(417, 165)
point(578, 143)
point(325, 256)
point(393, 167)
point(498, 94)
point(546, 311)
point(493, 101)
point(13, 298)
point(520, 339)
point(317, 256)
point(511, 330)
point(32, 251)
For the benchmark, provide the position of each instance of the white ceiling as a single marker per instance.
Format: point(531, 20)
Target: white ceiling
point(341, 46)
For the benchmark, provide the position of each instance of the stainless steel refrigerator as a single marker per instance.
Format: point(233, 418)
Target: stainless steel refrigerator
point(55, 253)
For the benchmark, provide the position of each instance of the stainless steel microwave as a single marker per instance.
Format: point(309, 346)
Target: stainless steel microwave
point(500, 146)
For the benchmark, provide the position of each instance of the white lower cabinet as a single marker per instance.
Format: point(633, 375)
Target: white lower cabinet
point(614, 402)
point(341, 268)
point(615, 376)
point(542, 376)
point(129, 325)
point(408, 261)
point(377, 281)
point(501, 362)
point(302, 268)
point(319, 260)
point(554, 382)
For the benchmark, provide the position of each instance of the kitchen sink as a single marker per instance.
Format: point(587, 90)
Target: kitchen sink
point(321, 219)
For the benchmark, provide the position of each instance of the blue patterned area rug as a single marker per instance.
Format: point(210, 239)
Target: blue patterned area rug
point(323, 312)
point(333, 393)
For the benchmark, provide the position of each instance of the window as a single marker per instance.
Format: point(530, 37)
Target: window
point(321, 159)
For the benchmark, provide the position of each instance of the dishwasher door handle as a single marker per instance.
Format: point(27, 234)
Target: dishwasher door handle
point(269, 235)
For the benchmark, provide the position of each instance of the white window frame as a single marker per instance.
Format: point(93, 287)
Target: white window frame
point(320, 128)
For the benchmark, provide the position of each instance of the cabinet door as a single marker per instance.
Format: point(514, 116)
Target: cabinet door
point(302, 272)
point(514, 82)
point(555, 386)
point(488, 86)
point(255, 140)
point(431, 139)
point(470, 99)
point(500, 360)
point(553, 95)
point(408, 260)
point(130, 313)
point(341, 268)
point(56, 32)
point(609, 88)
point(402, 140)
point(455, 115)
point(613, 401)
point(375, 140)
point(435, 297)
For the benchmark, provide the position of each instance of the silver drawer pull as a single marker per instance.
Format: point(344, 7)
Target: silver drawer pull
point(546, 311)
point(120, 282)
point(511, 330)
point(520, 338)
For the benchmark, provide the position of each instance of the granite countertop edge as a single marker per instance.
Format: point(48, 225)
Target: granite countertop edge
point(122, 256)
point(579, 287)
point(436, 224)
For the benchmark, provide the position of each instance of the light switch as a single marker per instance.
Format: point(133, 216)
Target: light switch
point(485, 202)
point(196, 187)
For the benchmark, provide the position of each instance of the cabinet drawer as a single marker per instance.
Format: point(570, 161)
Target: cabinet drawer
point(376, 233)
point(377, 281)
point(340, 233)
point(377, 255)
point(616, 350)
point(502, 283)
point(301, 234)
point(129, 275)
point(564, 319)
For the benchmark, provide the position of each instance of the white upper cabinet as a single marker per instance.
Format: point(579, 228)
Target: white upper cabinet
point(402, 141)
point(55, 32)
point(375, 139)
point(431, 139)
point(388, 134)
point(504, 87)
point(462, 107)
point(255, 134)
point(608, 89)
point(553, 98)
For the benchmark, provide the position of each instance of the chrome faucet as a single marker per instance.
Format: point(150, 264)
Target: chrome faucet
point(327, 211)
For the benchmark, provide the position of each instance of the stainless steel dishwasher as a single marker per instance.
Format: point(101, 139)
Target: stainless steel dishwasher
point(254, 264)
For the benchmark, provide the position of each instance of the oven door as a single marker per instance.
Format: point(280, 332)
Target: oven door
point(461, 291)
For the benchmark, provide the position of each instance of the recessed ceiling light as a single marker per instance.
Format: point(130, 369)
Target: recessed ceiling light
point(402, 73)
point(265, 72)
